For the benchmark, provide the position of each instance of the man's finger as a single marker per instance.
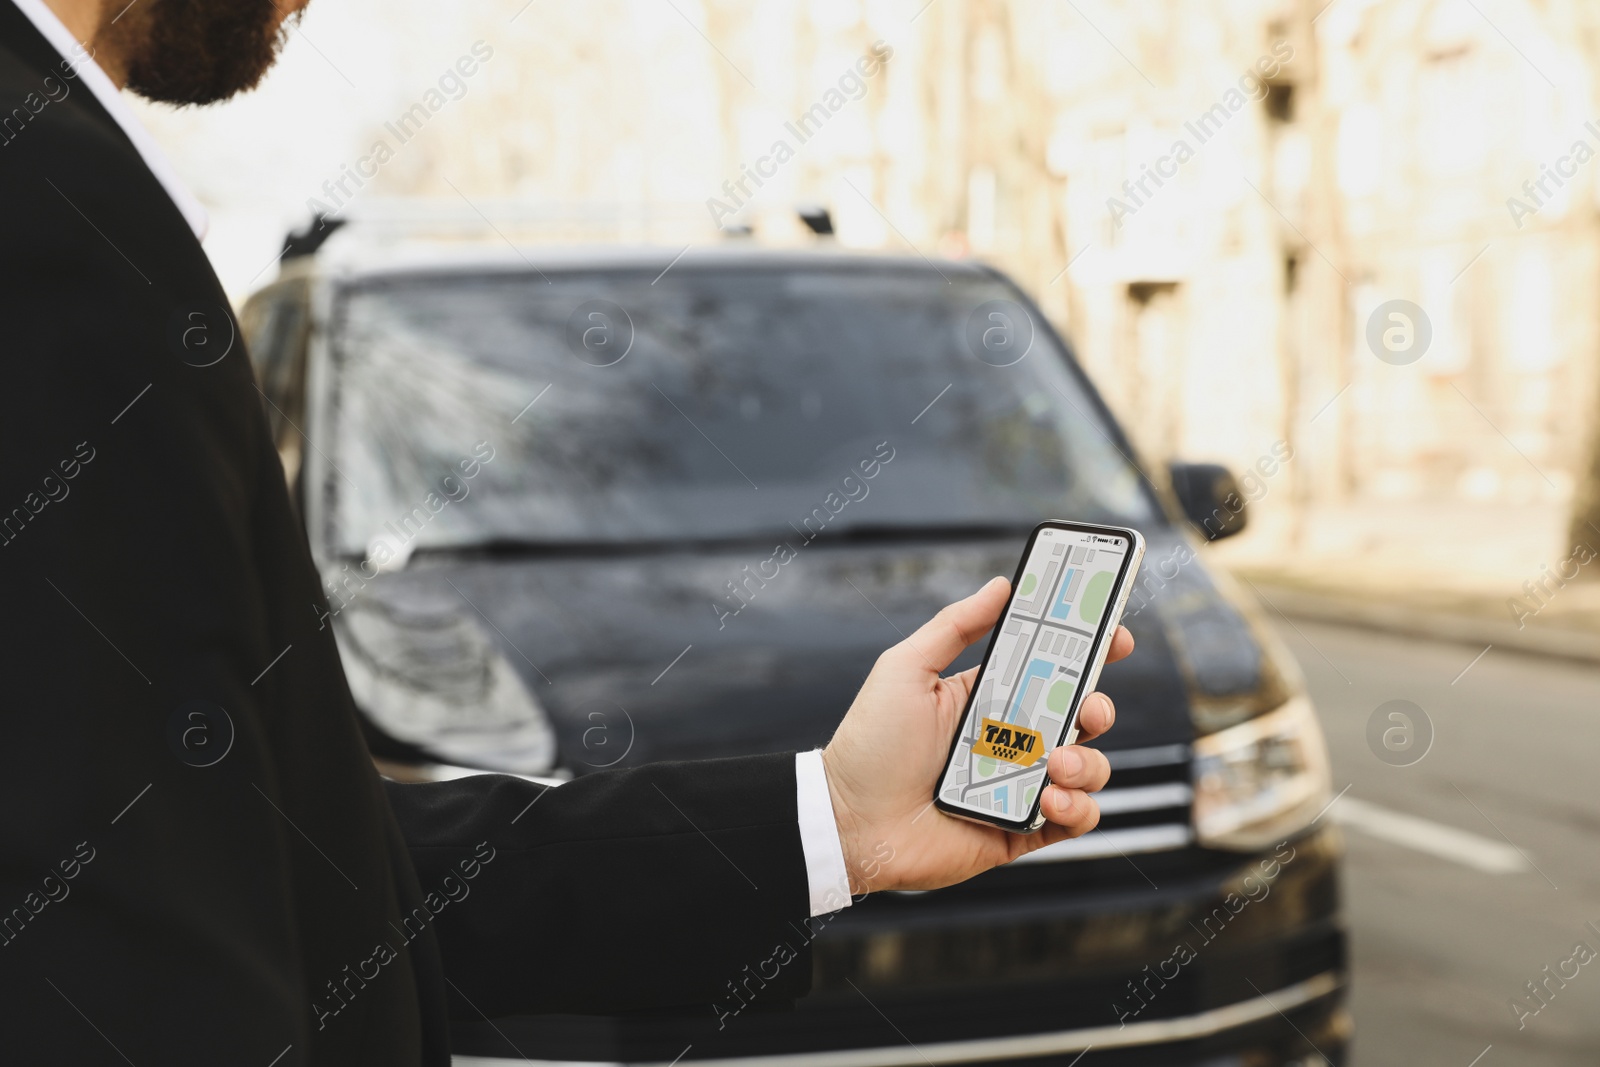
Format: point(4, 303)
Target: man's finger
point(1095, 716)
point(1072, 809)
point(1075, 767)
point(1121, 645)
point(944, 637)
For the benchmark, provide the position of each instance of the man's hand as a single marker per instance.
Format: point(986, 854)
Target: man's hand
point(887, 754)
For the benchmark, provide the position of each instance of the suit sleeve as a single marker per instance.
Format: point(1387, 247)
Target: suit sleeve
point(666, 885)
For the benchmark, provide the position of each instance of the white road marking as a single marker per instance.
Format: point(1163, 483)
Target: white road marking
point(1425, 835)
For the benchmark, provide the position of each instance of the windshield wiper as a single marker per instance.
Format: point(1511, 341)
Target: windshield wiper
point(531, 548)
point(868, 533)
point(858, 533)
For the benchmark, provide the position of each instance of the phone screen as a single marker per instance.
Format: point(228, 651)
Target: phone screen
point(1033, 679)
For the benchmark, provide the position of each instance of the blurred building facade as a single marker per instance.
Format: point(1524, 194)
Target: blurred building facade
point(1241, 188)
point(1212, 200)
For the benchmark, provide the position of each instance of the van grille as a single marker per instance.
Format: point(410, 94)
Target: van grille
point(1146, 808)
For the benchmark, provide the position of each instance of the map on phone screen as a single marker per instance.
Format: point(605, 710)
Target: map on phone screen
point(1031, 682)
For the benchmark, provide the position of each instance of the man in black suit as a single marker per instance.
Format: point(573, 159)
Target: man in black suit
point(285, 901)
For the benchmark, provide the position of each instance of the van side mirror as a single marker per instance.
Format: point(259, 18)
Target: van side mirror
point(1210, 497)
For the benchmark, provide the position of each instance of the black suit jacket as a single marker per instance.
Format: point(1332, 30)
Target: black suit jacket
point(198, 862)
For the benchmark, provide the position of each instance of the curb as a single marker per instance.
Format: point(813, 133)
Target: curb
point(1557, 642)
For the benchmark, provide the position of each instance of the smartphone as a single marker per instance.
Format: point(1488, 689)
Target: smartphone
point(1045, 656)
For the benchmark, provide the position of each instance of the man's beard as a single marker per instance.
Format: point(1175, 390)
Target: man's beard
point(195, 51)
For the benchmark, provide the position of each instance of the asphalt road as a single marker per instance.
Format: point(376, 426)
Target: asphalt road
point(1475, 867)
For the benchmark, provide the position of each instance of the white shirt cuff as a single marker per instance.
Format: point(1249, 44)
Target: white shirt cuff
point(827, 879)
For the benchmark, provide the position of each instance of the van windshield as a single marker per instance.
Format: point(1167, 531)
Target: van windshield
point(615, 406)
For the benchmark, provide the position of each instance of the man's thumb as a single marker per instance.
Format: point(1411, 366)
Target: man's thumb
point(945, 636)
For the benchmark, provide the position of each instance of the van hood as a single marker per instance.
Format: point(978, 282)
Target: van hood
point(589, 660)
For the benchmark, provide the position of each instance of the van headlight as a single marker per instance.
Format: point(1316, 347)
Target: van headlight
point(1260, 781)
point(434, 679)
